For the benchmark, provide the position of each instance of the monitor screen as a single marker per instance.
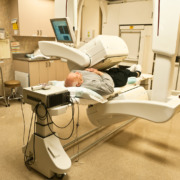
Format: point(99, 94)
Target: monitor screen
point(62, 29)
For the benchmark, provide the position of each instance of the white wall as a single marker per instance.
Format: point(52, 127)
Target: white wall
point(90, 18)
point(60, 10)
point(127, 13)
point(112, 25)
point(124, 13)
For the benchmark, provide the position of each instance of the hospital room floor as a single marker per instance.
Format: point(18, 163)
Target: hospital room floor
point(142, 150)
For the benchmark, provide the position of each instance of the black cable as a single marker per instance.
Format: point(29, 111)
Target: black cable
point(30, 160)
point(61, 138)
point(34, 139)
point(72, 120)
point(62, 127)
point(47, 115)
point(77, 128)
point(41, 117)
point(26, 160)
point(24, 130)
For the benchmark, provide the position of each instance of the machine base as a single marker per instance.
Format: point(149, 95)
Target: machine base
point(48, 156)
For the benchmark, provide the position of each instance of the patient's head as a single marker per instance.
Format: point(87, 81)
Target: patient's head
point(74, 79)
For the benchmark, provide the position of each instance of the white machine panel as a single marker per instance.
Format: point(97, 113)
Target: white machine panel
point(105, 46)
point(165, 26)
point(95, 51)
point(51, 48)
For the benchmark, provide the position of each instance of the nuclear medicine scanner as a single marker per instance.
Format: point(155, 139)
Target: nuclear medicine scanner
point(44, 151)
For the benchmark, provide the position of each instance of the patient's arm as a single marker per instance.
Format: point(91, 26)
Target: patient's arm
point(95, 71)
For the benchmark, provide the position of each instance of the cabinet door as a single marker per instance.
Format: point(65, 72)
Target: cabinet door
point(34, 17)
point(28, 22)
point(65, 69)
point(61, 70)
point(43, 71)
point(52, 70)
point(46, 12)
point(34, 73)
point(21, 66)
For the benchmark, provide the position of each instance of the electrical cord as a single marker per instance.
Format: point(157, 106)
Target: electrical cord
point(34, 139)
point(77, 128)
point(41, 117)
point(24, 129)
point(71, 121)
point(61, 138)
point(47, 116)
point(28, 159)
point(62, 127)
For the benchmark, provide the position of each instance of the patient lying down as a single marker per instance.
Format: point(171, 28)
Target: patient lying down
point(101, 82)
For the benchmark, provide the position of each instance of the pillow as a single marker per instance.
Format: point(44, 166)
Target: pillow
point(57, 83)
point(85, 93)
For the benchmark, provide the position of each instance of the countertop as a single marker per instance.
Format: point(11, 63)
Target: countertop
point(22, 57)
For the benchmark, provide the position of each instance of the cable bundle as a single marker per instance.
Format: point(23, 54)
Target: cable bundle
point(30, 159)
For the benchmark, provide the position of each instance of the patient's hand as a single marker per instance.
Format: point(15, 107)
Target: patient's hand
point(90, 69)
point(95, 71)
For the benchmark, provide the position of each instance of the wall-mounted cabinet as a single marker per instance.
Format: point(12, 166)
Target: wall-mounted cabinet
point(33, 17)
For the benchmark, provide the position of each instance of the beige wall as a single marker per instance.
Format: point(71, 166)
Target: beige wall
point(4, 23)
point(29, 44)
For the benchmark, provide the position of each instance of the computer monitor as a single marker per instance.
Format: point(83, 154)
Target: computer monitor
point(63, 30)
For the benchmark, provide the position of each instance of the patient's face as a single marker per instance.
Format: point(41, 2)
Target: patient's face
point(74, 79)
point(78, 78)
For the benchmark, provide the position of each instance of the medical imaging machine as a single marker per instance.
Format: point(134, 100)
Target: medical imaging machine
point(44, 148)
